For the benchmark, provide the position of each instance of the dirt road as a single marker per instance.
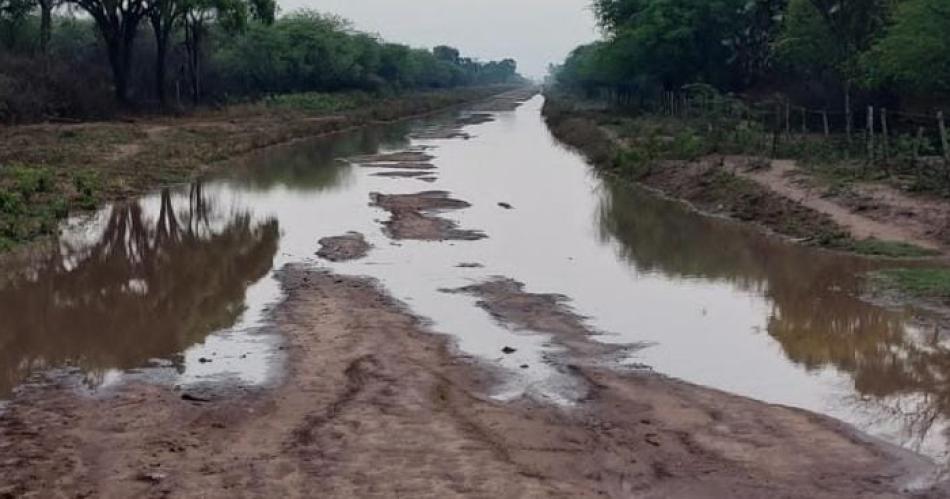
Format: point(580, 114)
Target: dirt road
point(374, 405)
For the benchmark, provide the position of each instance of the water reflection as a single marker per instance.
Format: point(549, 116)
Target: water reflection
point(314, 165)
point(147, 287)
point(899, 367)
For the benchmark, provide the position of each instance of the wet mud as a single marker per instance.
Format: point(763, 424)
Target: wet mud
point(393, 157)
point(351, 246)
point(508, 303)
point(414, 216)
point(374, 405)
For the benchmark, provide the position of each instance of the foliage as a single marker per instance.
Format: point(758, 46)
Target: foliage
point(918, 282)
point(215, 50)
point(913, 55)
point(818, 49)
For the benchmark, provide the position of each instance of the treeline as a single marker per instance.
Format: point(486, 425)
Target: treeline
point(825, 54)
point(88, 58)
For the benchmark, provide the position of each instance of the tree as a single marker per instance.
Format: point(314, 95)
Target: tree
point(913, 55)
point(118, 24)
point(46, 22)
point(231, 15)
point(446, 54)
point(164, 16)
point(13, 16)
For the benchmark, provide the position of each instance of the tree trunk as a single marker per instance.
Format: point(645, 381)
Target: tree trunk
point(162, 34)
point(847, 110)
point(120, 70)
point(46, 25)
point(193, 43)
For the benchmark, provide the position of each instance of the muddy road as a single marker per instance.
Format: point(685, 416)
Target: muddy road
point(318, 319)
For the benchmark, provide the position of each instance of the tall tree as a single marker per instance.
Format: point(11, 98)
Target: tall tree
point(231, 15)
point(118, 24)
point(164, 16)
point(46, 22)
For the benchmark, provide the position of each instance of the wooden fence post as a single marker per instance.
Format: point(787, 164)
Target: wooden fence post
point(824, 121)
point(943, 138)
point(788, 119)
point(885, 136)
point(847, 113)
point(917, 164)
point(870, 135)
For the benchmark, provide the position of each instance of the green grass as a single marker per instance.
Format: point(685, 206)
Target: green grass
point(33, 201)
point(890, 249)
point(320, 102)
point(922, 282)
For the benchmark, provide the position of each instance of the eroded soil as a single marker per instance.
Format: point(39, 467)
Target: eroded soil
point(414, 216)
point(866, 211)
point(350, 246)
point(373, 405)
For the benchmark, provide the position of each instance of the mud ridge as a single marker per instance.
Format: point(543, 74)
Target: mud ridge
point(375, 405)
point(413, 216)
point(350, 246)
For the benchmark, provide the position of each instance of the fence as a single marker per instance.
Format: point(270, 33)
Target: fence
point(876, 139)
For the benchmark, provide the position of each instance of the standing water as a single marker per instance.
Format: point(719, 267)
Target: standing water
point(177, 286)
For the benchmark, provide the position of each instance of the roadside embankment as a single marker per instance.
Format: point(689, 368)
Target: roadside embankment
point(50, 170)
point(770, 193)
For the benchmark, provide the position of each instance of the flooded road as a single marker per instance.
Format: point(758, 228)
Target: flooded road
point(178, 286)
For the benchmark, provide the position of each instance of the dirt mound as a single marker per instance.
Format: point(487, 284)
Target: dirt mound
point(413, 216)
point(350, 246)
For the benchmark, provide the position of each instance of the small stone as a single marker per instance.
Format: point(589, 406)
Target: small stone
point(505, 205)
point(508, 350)
point(524, 366)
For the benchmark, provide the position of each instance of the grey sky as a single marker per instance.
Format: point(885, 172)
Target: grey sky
point(534, 32)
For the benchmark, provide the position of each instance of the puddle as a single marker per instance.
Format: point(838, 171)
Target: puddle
point(715, 303)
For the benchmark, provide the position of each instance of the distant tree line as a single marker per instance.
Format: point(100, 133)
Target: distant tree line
point(86, 58)
point(820, 52)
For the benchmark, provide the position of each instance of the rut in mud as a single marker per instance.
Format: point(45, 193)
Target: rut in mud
point(551, 302)
point(375, 406)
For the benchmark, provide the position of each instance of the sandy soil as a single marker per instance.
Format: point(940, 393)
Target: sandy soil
point(373, 405)
point(881, 213)
point(350, 246)
point(413, 216)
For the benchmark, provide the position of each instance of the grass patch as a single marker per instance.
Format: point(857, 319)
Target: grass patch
point(33, 200)
point(891, 249)
point(922, 283)
point(320, 102)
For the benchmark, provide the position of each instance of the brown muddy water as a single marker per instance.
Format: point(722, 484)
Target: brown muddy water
point(177, 286)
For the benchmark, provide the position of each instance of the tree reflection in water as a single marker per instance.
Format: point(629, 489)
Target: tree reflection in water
point(149, 287)
point(899, 368)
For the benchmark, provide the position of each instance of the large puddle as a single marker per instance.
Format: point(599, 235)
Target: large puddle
point(177, 285)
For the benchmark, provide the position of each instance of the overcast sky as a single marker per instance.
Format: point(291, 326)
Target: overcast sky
point(533, 32)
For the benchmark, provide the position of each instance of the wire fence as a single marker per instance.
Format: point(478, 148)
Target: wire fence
point(871, 140)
